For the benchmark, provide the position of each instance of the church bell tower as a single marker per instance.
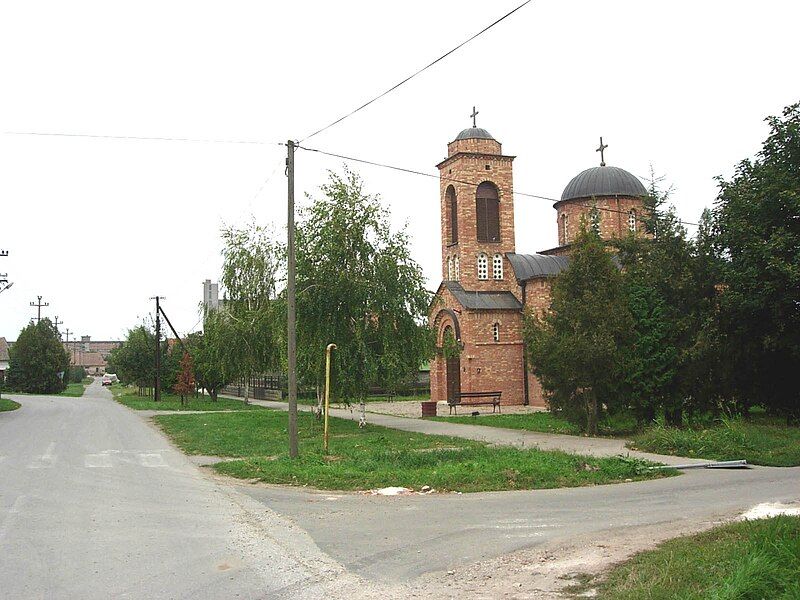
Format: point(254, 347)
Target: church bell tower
point(477, 211)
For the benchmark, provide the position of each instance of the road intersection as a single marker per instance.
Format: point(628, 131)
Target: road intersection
point(96, 503)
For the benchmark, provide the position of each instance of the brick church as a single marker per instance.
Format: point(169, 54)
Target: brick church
point(486, 284)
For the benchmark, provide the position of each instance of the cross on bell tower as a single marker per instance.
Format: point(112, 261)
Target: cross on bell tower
point(600, 150)
point(473, 115)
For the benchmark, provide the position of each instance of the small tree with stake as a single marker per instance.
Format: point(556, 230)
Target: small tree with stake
point(185, 383)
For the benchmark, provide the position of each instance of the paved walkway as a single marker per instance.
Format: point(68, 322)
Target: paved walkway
point(499, 436)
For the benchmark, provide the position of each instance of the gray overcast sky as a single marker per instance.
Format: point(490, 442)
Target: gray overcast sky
point(96, 226)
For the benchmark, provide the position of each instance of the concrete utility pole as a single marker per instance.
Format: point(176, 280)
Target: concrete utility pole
point(39, 304)
point(157, 385)
point(56, 322)
point(291, 325)
point(71, 350)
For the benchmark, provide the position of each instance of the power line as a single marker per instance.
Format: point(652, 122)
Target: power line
point(136, 137)
point(453, 180)
point(410, 77)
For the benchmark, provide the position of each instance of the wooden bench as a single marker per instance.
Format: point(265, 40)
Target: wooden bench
point(474, 399)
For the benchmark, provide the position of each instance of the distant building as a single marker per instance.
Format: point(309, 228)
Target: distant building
point(3, 358)
point(210, 295)
point(91, 355)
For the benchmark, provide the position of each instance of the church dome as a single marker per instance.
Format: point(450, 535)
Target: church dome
point(474, 133)
point(603, 181)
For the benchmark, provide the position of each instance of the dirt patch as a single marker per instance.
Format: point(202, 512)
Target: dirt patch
point(563, 571)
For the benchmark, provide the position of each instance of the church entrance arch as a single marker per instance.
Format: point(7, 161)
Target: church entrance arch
point(452, 366)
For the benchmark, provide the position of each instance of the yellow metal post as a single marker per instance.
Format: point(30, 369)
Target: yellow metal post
point(327, 390)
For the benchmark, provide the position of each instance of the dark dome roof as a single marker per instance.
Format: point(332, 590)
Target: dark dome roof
point(603, 181)
point(474, 133)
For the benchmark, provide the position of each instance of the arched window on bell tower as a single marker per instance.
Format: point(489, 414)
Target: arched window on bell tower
point(452, 213)
point(487, 211)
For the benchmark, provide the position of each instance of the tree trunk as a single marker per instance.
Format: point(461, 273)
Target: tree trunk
point(213, 393)
point(246, 389)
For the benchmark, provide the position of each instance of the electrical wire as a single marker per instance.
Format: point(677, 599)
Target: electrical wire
point(418, 72)
point(135, 137)
point(453, 180)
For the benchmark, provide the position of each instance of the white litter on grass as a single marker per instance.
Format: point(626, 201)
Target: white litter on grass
point(391, 491)
point(769, 509)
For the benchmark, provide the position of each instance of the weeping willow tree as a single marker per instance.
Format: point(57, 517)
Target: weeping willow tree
point(246, 331)
point(358, 287)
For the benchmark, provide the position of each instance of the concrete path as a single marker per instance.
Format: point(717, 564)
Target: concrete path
point(95, 503)
point(590, 446)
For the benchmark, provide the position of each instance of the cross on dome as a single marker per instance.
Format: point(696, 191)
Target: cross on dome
point(600, 150)
point(473, 115)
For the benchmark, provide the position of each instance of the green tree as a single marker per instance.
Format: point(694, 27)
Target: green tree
point(359, 288)
point(670, 291)
point(204, 348)
point(134, 360)
point(577, 347)
point(247, 330)
point(38, 362)
point(757, 227)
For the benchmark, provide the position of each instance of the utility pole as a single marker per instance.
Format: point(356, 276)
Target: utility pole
point(38, 304)
point(56, 323)
point(70, 350)
point(291, 325)
point(157, 386)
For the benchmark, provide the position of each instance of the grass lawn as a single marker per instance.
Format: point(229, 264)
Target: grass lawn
point(544, 422)
point(74, 390)
point(129, 398)
point(377, 457)
point(761, 441)
point(6, 404)
point(747, 560)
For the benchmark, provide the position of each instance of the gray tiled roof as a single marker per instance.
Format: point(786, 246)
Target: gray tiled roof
point(3, 350)
point(483, 300)
point(603, 181)
point(528, 266)
point(474, 133)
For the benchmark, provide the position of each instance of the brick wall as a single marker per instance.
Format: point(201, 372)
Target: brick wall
point(613, 223)
point(485, 365)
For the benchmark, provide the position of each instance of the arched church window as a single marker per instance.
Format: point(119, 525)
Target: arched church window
point(496, 332)
point(450, 268)
point(565, 228)
point(594, 218)
point(632, 220)
point(487, 211)
point(497, 266)
point(457, 268)
point(483, 266)
point(452, 213)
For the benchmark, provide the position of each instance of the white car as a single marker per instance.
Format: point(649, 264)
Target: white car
point(109, 378)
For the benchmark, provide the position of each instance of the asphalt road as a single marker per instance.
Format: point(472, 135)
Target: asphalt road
point(95, 503)
point(396, 539)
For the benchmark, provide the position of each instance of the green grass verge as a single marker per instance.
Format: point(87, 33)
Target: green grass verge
point(376, 457)
point(172, 402)
point(6, 404)
point(543, 422)
point(74, 390)
point(763, 441)
point(747, 560)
